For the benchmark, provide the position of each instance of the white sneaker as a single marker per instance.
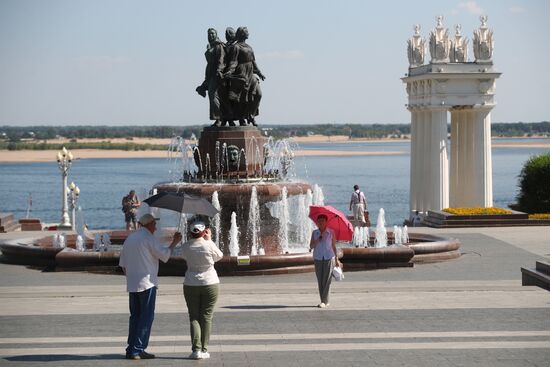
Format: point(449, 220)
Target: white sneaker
point(327, 304)
point(195, 355)
point(205, 355)
point(321, 305)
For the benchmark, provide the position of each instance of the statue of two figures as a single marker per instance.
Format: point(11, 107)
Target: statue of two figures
point(443, 49)
point(231, 79)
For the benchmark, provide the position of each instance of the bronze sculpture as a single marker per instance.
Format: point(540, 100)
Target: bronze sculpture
point(214, 72)
point(232, 79)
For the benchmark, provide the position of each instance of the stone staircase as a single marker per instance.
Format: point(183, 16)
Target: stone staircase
point(540, 276)
point(8, 223)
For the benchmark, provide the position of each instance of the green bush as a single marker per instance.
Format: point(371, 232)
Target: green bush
point(534, 183)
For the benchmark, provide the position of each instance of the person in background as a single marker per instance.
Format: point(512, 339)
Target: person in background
point(130, 205)
point(323, 244)
point(139, 259)
point(358, 204)
point(416, 219)
point(201, 286)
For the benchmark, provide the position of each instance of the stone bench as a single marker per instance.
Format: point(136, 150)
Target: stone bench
point(540, 276)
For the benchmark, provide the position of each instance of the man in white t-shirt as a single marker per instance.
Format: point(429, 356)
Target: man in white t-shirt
point(358, 204)
point(139, 259)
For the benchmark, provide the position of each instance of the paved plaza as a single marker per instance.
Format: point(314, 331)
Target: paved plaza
point(471, 311)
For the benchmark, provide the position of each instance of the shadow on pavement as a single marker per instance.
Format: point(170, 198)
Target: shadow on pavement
point(264, 307)
point(64, 357)
point(72, 357)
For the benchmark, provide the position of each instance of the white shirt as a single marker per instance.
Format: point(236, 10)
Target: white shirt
point(323, 250)
point(200, 256)
point(140, 257)
point(357, 197)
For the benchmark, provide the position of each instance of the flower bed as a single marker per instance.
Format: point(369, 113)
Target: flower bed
point(539, 216)
point(477, 211)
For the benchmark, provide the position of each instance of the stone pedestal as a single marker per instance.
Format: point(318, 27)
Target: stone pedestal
point(230, 152)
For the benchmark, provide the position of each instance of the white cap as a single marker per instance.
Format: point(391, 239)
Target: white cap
point(197, 227)
point(146, 219)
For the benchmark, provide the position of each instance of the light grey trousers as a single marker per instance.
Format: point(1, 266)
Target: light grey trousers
point(323, 271)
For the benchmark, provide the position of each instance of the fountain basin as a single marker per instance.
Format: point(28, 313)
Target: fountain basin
point(423, 248)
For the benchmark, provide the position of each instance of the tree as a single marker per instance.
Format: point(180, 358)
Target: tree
point(534, 183)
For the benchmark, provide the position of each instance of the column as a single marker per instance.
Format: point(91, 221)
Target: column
point(427, 173)
point(418, 171)
point(453, 170)
point(439, 160)
point(483, 166)
point(461, 159)
point(413, 165)
point(471, 165)
point(467, 160)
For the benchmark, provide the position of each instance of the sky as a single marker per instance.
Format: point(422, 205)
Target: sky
point(138, 62)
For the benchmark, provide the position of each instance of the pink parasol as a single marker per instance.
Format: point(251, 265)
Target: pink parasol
point(337, 221)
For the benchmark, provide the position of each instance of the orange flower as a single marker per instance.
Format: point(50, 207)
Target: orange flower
point(539, 216)
point(477, 211)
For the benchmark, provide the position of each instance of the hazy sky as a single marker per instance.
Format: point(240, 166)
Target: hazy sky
point(139, 62)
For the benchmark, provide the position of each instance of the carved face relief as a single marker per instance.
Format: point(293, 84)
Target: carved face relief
point(233, 156)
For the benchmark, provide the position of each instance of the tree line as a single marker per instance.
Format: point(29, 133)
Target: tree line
point(374, 131)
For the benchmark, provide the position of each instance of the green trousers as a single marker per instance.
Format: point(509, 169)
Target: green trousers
point(200, 305)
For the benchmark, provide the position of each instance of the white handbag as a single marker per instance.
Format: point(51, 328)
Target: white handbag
point(337, 273)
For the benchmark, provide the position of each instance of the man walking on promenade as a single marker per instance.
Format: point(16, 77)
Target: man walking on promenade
point(139, 260)
point(358, 204)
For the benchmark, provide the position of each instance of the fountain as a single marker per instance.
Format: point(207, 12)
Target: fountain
point(381, 235)
point(405, 234)
point(216, 219)
point(254, 222)
point(234, 236)
point(79, 245)
point(397, 235)
point(240, 171)
point(263, 225)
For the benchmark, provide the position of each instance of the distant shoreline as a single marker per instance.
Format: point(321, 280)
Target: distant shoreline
point(22, 156)
point(30, 156)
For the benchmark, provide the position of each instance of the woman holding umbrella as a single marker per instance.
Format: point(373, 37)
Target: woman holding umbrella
point(323, 244)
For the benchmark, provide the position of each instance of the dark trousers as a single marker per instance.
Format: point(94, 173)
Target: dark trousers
point(200, 305)
point(323, 271)
point(142, 313)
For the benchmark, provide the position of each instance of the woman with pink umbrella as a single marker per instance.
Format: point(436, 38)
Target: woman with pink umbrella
point(323, 244)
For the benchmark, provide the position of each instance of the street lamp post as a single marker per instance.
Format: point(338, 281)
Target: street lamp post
point(74, 192)
point(64, 161)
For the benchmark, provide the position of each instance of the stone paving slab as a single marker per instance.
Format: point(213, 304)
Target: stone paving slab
point(471, 311)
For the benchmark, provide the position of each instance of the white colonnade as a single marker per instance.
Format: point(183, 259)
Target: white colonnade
point(455, 173)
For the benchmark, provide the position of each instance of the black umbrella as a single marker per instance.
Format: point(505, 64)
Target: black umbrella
point(182, 203)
